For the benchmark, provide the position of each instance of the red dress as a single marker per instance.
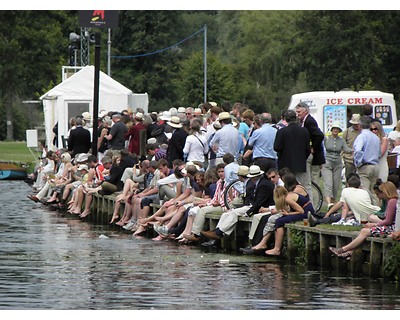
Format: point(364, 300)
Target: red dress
point(133, 136)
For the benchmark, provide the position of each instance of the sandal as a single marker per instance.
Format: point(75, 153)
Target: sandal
point(345, 255)
point(336, 251)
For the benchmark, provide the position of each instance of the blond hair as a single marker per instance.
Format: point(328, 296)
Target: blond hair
point(280, 194)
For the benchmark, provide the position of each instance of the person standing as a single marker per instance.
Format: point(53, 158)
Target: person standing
point(79, 139)
point(117, 133)
point(133, 134)
point(317, 157)
point(177, 141)
point(261, 144)
point(292, 144)
point(349, 136)
point(225, 140)
point(376, 127)
point(332, 168)
point(366, 156)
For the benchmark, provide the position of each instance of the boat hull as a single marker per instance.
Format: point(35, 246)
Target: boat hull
point(12, 172)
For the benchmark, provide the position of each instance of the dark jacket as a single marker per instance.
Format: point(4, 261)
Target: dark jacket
point(263, 196)
point(317, 138)
point(175, 146)
point(117, 171)
point(292, 144)
point(79, 141)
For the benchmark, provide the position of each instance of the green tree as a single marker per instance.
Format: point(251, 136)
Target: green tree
point(220, 85)
point(141, 33)
point(31, 53)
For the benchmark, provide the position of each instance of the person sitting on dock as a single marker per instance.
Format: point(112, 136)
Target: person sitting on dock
point(175, 212)
point(292, 204)
point(82, 194)
point(215, 205)
point(382, 228)
point(68, 185)
point(132, 185)
point(353, 200)
point(182, 198)
point(60, 178)
point(262, 196)
point(44, 170)
point(141, 201)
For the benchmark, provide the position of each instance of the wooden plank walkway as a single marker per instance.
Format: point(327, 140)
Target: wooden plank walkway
point(303, 244)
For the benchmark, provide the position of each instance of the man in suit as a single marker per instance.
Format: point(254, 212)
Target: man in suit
point(317, 157)
point(261, 196)
point(177, 141)
point(292, 143)
point(79, 139)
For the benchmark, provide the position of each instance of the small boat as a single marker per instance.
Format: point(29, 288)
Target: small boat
point(9, 171)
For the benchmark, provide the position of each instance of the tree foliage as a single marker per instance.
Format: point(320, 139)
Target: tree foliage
point(257, 57)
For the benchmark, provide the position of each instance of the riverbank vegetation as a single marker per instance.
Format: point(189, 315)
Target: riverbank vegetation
point(257, 57)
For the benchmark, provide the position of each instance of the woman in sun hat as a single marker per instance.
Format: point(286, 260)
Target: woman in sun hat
point(332, 168)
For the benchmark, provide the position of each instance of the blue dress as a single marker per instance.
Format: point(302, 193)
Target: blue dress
point(307, 206)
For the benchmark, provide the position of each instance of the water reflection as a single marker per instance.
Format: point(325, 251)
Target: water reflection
point(51, 261)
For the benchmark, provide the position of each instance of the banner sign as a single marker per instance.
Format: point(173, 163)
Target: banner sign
point(98, 18)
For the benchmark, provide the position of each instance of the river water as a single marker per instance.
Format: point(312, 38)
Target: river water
point(49, 261)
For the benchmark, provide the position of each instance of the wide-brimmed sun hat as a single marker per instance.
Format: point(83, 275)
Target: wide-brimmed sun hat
point(243, 171)
point(355, 118)
point(166, 116)
point(175, 122)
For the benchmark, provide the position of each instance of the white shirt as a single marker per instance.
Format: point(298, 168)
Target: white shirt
point(359, 202)
point(194, 148)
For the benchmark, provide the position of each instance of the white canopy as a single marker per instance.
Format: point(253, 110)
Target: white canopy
point(75, 96)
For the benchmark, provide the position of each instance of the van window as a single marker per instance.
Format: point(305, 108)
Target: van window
point(384, 114)
point(334, 114)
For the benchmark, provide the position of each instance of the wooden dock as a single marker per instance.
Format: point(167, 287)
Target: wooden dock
point(304, 245)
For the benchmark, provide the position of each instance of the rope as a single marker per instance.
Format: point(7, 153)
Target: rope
point(161, 50)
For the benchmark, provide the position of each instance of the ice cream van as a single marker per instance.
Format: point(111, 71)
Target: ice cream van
point(328, 107)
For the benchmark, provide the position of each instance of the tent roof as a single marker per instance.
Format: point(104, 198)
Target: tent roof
point(81, 85)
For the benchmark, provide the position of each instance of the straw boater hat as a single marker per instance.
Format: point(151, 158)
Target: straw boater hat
point(243, 171)
point(197, 111)
point(181, 110)
point(255, 171)
point(175, 122)
point(81, 158)
point(102, 113)
point(217, 125)
point(86, 116)
point(151, 140)
point(224, 116)
point(355, 118)
point(139, 116)
point(166, 116)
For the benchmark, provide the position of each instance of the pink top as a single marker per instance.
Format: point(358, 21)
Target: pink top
point(390, 213)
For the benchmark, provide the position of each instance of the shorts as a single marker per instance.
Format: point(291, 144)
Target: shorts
point(382, 231)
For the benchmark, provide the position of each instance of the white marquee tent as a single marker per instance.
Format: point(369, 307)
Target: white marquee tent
point(74, 96)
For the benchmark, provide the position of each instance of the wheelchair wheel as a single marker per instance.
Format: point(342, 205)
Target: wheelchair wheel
point(317, 197)
point(235, 190)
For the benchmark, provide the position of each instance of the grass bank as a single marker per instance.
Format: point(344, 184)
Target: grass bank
point(18, 152)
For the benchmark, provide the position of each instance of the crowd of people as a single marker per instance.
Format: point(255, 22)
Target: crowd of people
point(184, 159)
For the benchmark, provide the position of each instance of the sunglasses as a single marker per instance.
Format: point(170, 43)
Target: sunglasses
point(373, 129)
point(272, 177)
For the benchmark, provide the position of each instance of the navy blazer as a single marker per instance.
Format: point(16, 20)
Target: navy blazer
point(292, 144)
point(263, 196)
